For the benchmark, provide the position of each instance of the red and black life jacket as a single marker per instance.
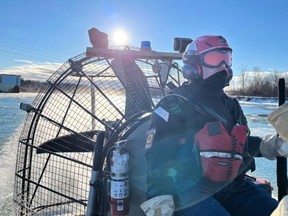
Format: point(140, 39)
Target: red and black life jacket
point(221, 153)
point(220, 132)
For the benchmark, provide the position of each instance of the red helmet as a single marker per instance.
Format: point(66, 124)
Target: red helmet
point(205, 56)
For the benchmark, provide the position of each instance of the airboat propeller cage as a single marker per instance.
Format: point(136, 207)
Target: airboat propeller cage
point(107, 89)
point(279, 119)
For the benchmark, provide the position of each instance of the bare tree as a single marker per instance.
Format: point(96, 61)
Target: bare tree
point(243, 77)
point(275, 78)
point(257, 81)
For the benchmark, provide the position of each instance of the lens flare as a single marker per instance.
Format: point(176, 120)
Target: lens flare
point(120, 37)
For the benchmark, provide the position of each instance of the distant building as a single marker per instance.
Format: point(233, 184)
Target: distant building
point(10, 83)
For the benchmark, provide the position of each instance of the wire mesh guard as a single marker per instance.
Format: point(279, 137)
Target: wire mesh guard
point(84, 96)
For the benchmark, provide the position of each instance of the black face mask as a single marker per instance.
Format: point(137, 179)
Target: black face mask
point(215, 82)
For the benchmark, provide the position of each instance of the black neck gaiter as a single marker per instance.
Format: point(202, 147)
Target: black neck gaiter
point(215, 82)
point(209, 95)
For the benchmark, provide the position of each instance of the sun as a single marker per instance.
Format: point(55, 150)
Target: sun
point(120, 37)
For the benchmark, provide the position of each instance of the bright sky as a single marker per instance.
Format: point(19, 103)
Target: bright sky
point(38, 36)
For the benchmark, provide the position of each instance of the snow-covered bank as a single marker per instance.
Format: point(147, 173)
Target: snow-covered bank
point(257, 106)
point(256, 99)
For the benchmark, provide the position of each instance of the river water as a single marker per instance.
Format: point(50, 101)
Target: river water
point(12, 119)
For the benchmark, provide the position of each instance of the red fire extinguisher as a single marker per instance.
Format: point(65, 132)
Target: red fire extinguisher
point(119, 184)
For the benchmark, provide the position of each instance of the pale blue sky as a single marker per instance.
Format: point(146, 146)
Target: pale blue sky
point(41, 35)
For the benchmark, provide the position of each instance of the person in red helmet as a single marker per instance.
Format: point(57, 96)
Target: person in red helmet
point(198, 146)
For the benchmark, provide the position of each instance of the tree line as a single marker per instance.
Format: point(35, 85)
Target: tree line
point(30, 85)
point(257, 82)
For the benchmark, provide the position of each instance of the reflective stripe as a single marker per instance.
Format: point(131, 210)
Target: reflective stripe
point(162, 113)
point(220, 155)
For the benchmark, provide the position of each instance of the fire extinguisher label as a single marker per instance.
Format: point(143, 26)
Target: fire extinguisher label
point(120, 205)
point(119, 189)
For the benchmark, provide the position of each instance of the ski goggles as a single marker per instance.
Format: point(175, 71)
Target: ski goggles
point(215, 58)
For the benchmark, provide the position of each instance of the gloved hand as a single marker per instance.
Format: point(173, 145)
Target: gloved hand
point(159, 206)
point(279, 119)
point(272, 146)
point(282, 209)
